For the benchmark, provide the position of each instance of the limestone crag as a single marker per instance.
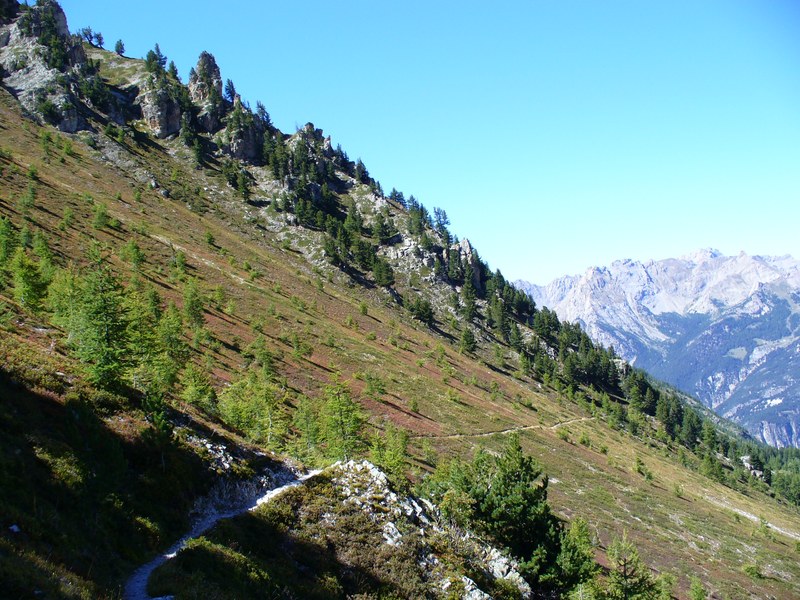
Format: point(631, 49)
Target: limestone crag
point(205, 90)
point(42, 81)
point(469, 257)
point(725, 328)
point(243, 137)
point(160, 111)
point(366, 486)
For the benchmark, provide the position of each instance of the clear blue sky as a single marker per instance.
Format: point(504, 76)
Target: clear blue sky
point(556, 134)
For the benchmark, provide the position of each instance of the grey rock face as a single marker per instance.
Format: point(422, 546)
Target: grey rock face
point(27, 75)
point(159, 110)
point(366, 486)
point(468, 257)
point(205, 90)
point(205, 81)
point(242, 137)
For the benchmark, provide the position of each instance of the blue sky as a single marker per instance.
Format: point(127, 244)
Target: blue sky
point(557, 135)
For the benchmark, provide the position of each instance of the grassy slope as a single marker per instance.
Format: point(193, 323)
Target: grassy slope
point(457, 401)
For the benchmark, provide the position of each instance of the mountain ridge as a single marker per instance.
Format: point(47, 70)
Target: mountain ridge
point(695, 311)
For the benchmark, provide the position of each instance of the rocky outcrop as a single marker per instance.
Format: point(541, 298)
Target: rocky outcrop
point(366, 486)
point(470, 257)
point(39, 62)
point(205, 90)
point(243, 137)
point(160, 110)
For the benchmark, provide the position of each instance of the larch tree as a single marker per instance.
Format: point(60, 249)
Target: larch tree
point(341, 420)
point(100, 327)
point(628, 578)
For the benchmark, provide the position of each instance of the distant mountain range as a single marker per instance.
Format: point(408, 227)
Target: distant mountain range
point(725, 328)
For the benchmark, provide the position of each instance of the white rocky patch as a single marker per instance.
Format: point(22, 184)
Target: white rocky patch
point(366, 486)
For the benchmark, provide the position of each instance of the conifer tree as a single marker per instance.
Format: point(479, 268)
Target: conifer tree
point(515, 512)
point(63, 298)
point(383, 272)
point(254, 404)
point(193, 304)
point(171, 349)
point(629, 578)
point(8, 241)
point(576, 564)
point(467, 341)
point(29, 288)
point(341, 421)
point(42, 250)
point(230, 90)
point(390, 451)
point(100, 327)
point(468, 296)
point(306, 421)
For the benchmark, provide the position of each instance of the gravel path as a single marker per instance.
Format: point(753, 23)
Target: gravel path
point(136, 586)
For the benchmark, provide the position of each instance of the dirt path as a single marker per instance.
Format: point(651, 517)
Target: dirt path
point(751, 516)
point(458, 436)
point(136, 586)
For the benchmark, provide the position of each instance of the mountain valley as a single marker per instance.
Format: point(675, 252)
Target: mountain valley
point(197, 308)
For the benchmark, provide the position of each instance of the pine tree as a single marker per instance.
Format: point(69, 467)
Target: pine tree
point(197, 389)
point(132, 253)
point(691, 428)
point(383, 230)
point(143, 306)
point(42, 250)
point(383, 272)
point(709, 436)
point(468, 295)
point(255, 405)
point(576, 564)
point(63, 298)
point(514, 510)
point(306, 422)
point(230, 90)
point(421, 309)
point(119, 47)
point(390, 451)
point(171, 348)
point(160, 58)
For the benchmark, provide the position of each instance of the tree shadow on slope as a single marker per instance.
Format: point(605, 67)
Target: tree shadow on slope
point(84, 504)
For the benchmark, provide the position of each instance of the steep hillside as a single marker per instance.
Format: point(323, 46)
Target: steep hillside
point(724, 328)
point(193, 302)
